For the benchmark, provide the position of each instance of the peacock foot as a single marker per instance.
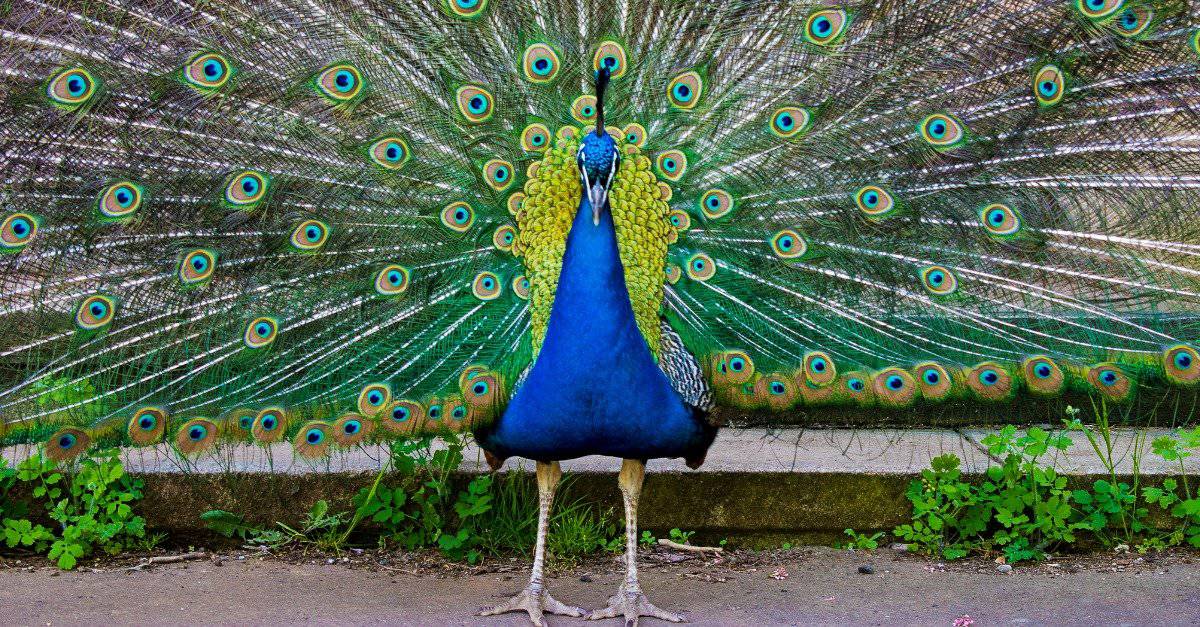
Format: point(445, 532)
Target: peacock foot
point(535, 601)
point(632, 604)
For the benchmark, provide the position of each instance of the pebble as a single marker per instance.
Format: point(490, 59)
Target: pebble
point(329, 561)
point(586, 578)
point(1004, 568)
point(899, 546)
point(866, 569)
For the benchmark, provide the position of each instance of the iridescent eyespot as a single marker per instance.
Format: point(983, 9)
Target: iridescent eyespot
point(680, 219)
point(389, 153)
point(520, 286)
point(16, 231)
point(95, 312)
point(1000, 220)
point(458, 216)
point(535, 138)
point(855, 384)
point(583, 109)
point(246, 189)
point(466, 9)
point(1043, 376)
point(72, 88)
point(789, 121)
point(540, 63)
point(934, 381)
point(261, 332)
point(486, 286)
point(498, 174)
point(874, 201)
point(1098, 9)
point(684, 90)
point(671, 164)
point(351, 429)
point(269, 425)
point(989, 381)
point(196, 436)
point(119, 200)
point(310, 235)
point(207, 71)
point(1049, 85)
point(700, 267)
point(1182, 364)
point(732, 367)
point(611, 55)
point(67, 444)
point(503, 237)
point(939, 280)
point(340, 83)
point(1195, 41)
point(373, 398)
point(1134, 21)
point(894, 387)
point(716, 203)
point(635, 134)
point(826, 26)
point(147, 426)
point(788, 244)
point(942, 131)
point(392, 280)
point(475, 103)
point(673, 273)
point(819, 369)
point(516, 202)
point(197, 266)
point(664, 192)
point(1110, 381)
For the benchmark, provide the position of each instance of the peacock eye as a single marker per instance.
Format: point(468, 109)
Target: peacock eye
point(684, 91)
point(340, 83)
point(737, 364)
point(246, 189)
point(989, 376)
point(498, 174)
point(503, 237)
point(475, 103)
point(942, 131)
point(1049, 85)
point(583, 109)
point(207, 71)
point(458, 216)
point(95, 312)
point(818, 365)
point(635, 134)
point(197, 266)
point(825, 27)
point(789, 121)
point(787, 244)
point(671, 164)
point(391, 280)
point(351, 427)
point(1042, 371)
point(895, 382)
point(467, 9)
point(389, 153)
point(520, 286)
point(1134, 21)
point(1000, 220)
point(932, 377)
point(16, 231)
point(486, 286)
point(874, 201)
point(700, 267)
point(261, 332)
point(120, 200)
point(400, 414)
point(856, 384)
point(71, 88)
point(1098, 9)
point(611, 55)
point(777, 388)
point(939, 280)
point(540, 63)
point(310, 235)
point(535, 137)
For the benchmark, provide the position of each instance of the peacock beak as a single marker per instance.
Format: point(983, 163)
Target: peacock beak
point(597, 196)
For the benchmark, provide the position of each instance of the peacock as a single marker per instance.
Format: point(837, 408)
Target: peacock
point(583, 227)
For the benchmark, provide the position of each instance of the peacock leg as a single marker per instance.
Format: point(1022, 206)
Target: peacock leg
point(629, 600)
point(534, 599)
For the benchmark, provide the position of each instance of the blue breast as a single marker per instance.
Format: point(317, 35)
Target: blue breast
point(595, 388)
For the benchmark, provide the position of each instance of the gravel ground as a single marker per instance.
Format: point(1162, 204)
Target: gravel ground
point(806, 586)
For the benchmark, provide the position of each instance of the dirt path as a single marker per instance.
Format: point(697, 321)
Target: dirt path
point(821, 586)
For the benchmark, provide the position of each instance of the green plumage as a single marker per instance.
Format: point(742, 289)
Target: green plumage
point(216, 211)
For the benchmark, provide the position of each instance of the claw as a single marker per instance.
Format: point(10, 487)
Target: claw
point(632, 606)
point(535, 603)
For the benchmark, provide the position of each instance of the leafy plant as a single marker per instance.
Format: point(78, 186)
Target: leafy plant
point(680, 536)
point(863, 542)
point(647, 539)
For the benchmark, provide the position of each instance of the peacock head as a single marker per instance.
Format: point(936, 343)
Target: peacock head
point(598, 157)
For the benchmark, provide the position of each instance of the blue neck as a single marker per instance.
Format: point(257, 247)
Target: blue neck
point(591, 303)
